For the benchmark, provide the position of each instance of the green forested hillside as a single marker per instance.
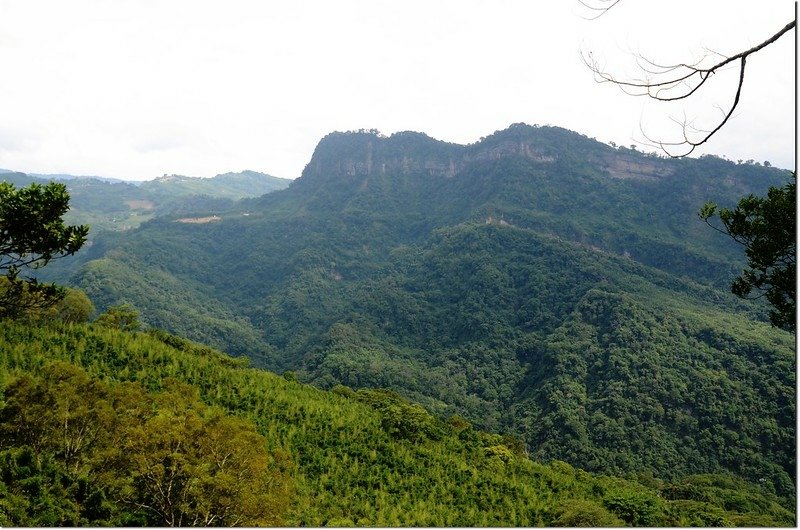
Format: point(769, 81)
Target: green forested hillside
point(93, 420)
point(225, 186)
point(536, 282)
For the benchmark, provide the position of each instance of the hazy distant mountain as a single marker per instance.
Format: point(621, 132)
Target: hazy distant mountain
point(536, 281)
point(226, 185)
point(62, 176)
point(111, 204)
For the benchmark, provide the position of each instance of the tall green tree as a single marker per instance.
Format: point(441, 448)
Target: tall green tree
point(766, 227)
point(33, 232)
point(121, 316)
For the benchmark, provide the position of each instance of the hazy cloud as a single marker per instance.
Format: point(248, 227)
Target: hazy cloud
point(135, 89)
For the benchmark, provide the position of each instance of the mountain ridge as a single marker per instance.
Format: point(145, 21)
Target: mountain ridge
point(537, 143)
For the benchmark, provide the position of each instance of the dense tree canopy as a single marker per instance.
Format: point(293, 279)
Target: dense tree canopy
point(93, 420)
point(123, 456)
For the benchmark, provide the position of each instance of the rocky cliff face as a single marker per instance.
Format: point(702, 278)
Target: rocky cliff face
point(524, 148)
point(355, 154)
point(622, 165)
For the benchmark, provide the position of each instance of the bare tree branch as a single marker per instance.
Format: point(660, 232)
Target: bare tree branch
point(677, 82)
point(603, 9)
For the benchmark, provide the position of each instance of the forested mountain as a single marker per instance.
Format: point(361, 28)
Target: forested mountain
point(108, 204)
point(536, 282)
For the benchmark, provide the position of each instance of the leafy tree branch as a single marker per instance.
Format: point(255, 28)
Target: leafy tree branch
point(32, 233)
point(766, 228)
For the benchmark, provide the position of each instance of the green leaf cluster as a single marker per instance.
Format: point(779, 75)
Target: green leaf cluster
point(767, 228)
point(32, 232)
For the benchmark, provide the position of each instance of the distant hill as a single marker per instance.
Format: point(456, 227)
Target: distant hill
point(62, 176)
point(227, 185)
point(65, 176)
point(111, 204)
point(537, 281)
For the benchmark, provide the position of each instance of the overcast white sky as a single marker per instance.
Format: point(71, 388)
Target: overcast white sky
point(136, 89)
